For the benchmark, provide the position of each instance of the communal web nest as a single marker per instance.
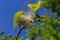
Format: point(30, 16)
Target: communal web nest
point(22, 19)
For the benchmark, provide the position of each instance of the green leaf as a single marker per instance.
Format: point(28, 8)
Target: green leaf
point(1, 32)
point(34, 7)
point(14, 38)
point(16, 16)
point(28, 39)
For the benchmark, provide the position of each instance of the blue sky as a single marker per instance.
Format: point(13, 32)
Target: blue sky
point(7, 10)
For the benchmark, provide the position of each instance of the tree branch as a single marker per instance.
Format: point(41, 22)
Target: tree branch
point(20, 32)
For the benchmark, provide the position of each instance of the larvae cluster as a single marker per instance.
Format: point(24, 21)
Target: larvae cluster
point(25, 20)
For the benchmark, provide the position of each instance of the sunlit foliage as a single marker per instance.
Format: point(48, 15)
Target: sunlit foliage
point(16, 16)
point(44, 27)
point(34, 6)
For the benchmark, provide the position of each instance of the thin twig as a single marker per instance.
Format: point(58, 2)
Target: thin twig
point(20, 32)
point(24, 5)
point(30, 1)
